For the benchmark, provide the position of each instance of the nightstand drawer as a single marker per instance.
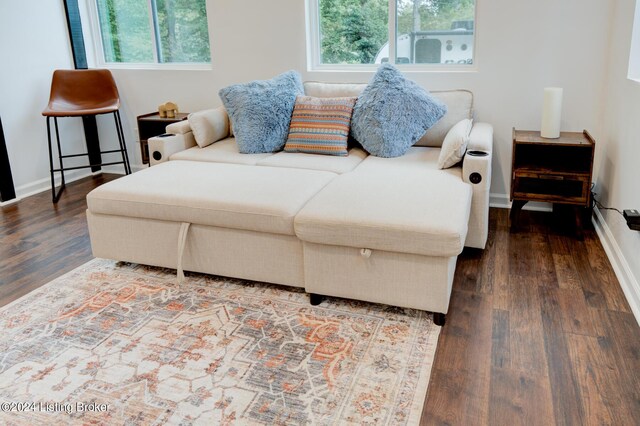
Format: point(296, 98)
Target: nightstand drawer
point(551, 187)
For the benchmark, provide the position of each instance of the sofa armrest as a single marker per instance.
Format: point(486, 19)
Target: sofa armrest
point(179, 128)
point(481, 138)
point(476, 166)
point(161, 148)
point(476, 170)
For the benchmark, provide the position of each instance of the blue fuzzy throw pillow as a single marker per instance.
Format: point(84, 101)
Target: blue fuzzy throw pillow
point(393, 113)
point(260, 111)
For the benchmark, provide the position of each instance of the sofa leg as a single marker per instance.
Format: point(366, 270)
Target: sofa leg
point(439, 318)
point(315, 299)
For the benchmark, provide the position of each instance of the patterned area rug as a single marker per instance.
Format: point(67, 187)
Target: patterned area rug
point(116, 343)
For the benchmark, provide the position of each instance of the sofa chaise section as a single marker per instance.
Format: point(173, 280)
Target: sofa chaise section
point(387, 236)
point(234, 220)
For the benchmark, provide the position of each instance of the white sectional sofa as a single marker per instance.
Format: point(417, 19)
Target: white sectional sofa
point(384, 230)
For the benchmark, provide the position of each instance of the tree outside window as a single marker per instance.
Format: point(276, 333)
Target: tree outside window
point(154, 31)
point(427, 31)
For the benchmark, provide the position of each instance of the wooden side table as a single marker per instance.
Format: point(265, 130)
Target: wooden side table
point(150, 125)
point(552, 170)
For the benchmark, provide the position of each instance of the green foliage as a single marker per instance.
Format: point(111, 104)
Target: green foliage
point(184, 33)
point(434, 14)
point(352, 31)
point(127, 31)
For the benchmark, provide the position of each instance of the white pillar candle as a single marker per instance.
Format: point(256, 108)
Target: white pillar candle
point(551, 113)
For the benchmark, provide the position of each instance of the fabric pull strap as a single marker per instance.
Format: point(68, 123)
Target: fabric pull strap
point(366, 253)
point(182, 242)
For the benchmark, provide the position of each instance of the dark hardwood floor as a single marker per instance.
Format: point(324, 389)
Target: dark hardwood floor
point(538, 331)
point(40, 241)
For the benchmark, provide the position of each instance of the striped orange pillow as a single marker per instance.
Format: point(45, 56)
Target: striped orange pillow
point(320, 125)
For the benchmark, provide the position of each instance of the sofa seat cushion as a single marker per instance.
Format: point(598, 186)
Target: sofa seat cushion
point(263, 199)
point(224, 151)
point(316, 162)
point(417, 159)
point(408, 212)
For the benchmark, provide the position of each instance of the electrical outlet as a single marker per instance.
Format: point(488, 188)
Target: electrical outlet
point(633, 219)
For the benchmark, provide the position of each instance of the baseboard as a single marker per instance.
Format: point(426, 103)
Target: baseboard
point(501, 201)
point(628, 281)
point(41, 185)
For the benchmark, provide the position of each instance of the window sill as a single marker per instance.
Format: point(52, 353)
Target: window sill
point(407, 68)
point(163, 67)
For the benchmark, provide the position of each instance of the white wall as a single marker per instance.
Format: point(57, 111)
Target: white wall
point(522, 48)
point(618, 178)
point(34, 43)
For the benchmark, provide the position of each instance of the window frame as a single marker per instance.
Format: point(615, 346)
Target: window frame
point(313, 46)
point(98, 47)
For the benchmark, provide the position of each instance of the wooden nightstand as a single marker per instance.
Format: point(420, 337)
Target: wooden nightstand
point(150, 125)
point(552, 170)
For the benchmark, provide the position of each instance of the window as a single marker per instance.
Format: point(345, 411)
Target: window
point(360, 32)
point(435, 32)
point(352, 31)
point(153, 31)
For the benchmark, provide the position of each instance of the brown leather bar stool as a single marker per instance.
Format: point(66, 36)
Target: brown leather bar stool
point(80, 93)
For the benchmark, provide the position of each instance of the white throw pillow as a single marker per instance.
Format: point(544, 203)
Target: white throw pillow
point(455, 144)
point(209, 126)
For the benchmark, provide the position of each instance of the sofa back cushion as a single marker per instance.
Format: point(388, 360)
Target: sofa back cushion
point(458, 102)
point(459, 106)
point(209, 126)
point(333, 90)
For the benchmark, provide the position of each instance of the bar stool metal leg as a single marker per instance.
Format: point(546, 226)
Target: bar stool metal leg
point(55, 196)
point(63, 183)
point(124, 163)
point(122, 141)
point(53, 182)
